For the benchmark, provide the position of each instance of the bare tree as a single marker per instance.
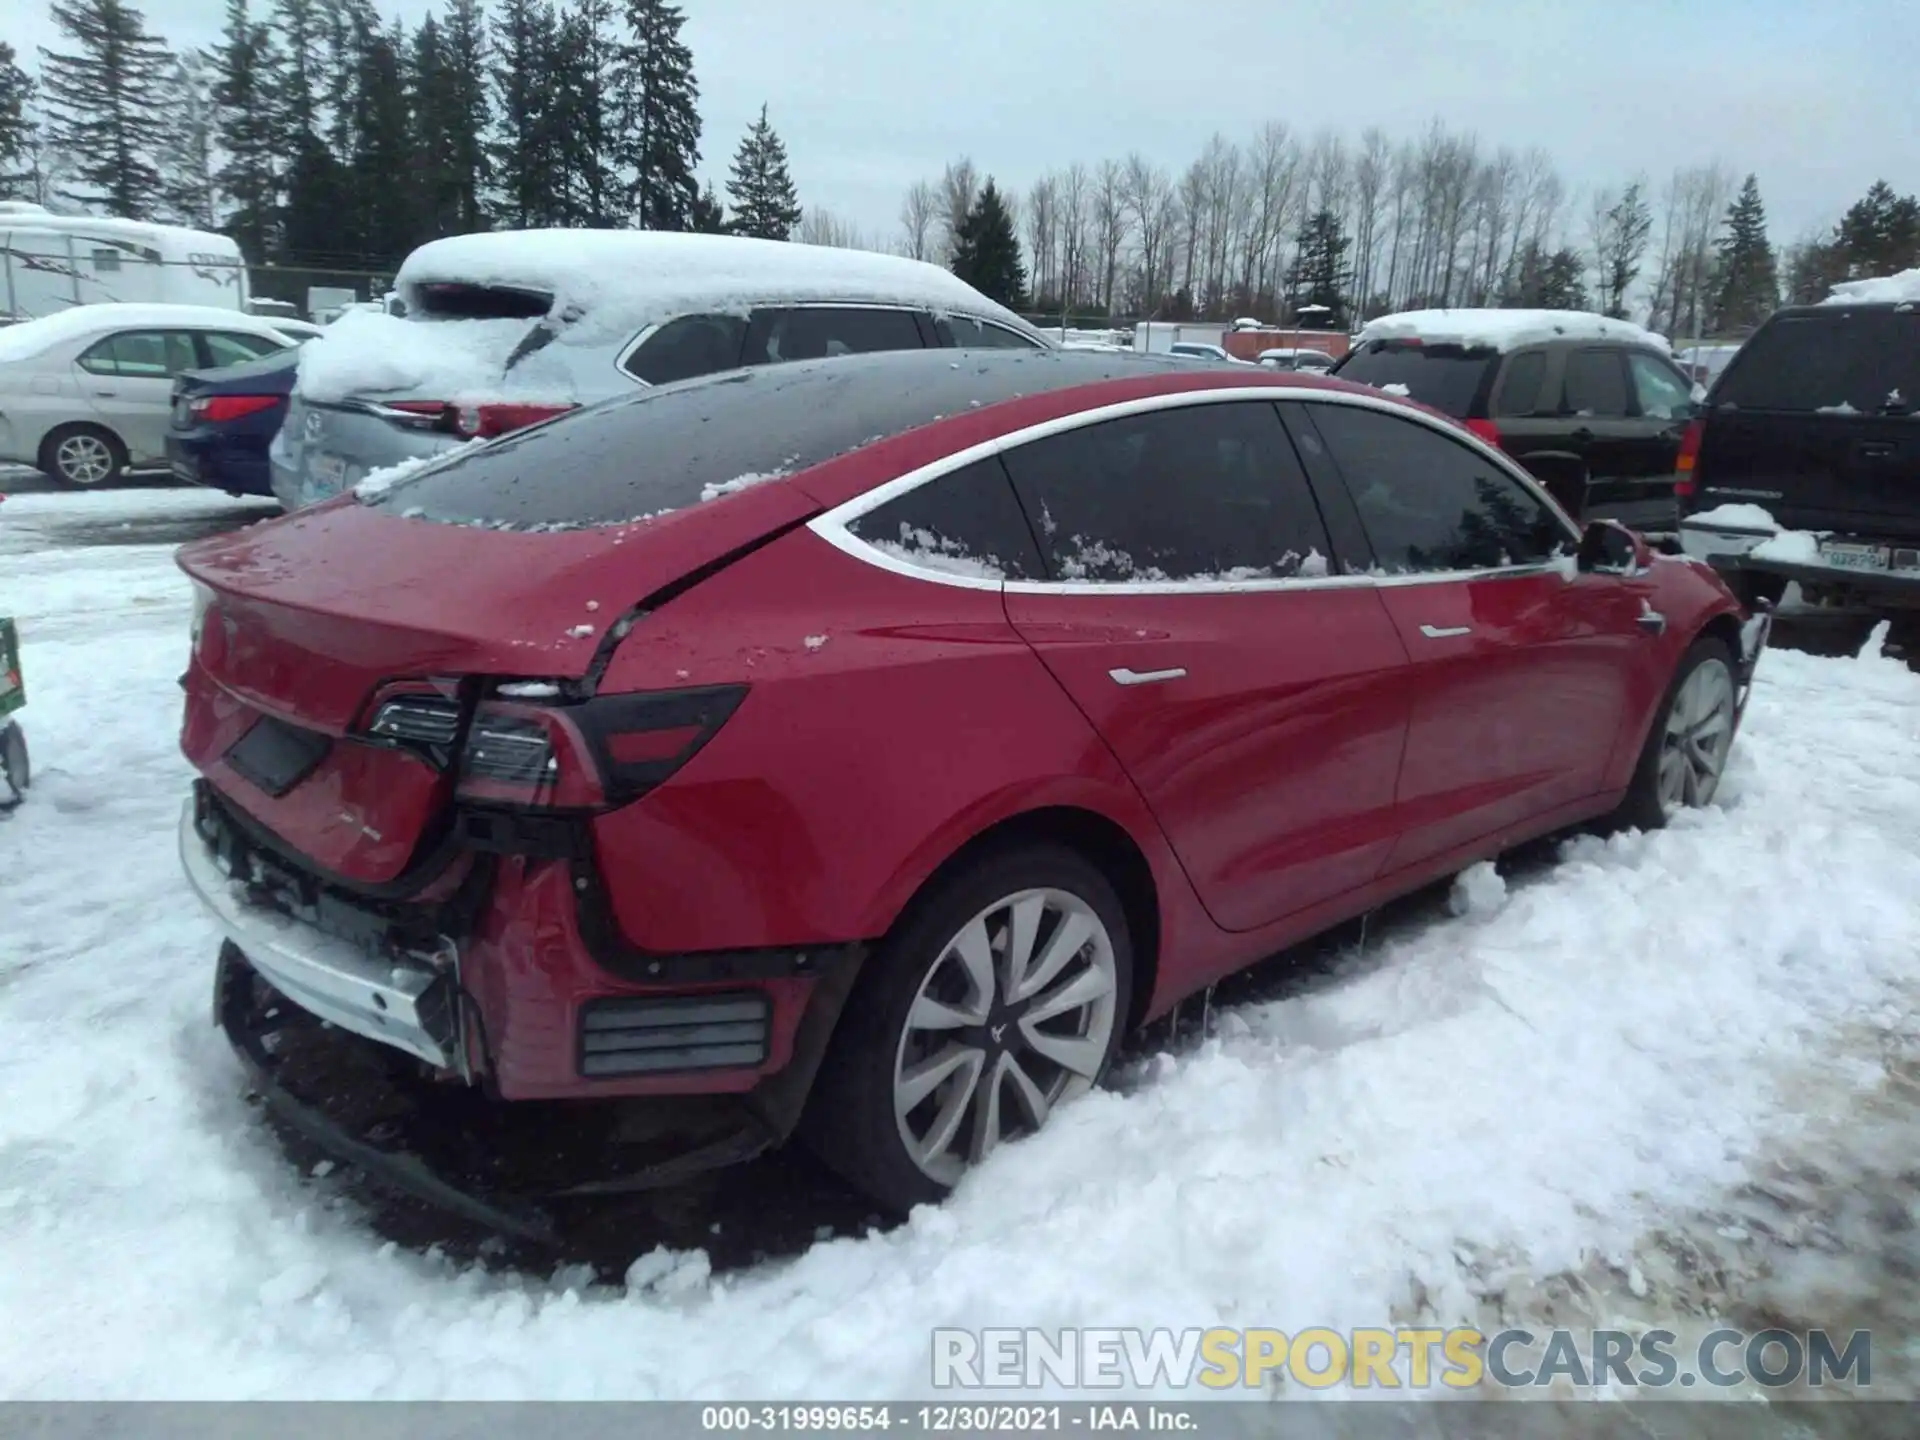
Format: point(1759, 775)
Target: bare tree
point(1110, 226)
point(1619, 225)
point(1043, 237)
point(1153, 211)
point(823, 227)
point(1266, 208)
point(917, 214)
point(1371, 170)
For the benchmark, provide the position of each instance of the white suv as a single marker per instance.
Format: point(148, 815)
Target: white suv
point(500, 330)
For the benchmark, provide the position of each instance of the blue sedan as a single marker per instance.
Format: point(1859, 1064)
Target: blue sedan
point(223, 421)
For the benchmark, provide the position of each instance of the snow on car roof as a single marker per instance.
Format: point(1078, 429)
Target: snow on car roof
point(32, 337)
point(632, 277)
point(1505, 329)
point(1901, 289)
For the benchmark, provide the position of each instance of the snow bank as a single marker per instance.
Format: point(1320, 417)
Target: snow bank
point(366, 351)
point(1903, 288)
point(1740, 517)
point(1794, 547)
point(33, 337)
point(1505, 329)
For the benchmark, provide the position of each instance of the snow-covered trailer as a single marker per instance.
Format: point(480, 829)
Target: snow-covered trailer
point(50, 263)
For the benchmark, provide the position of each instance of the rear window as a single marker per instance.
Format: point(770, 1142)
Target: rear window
point(645, 454)
point(479, 302)
point(1447, 377)
point(1847, 360)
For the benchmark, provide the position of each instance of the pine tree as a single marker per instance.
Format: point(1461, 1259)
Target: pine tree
point(313, 189)
point(429, 104)
point(986, 251)
point(1320, 270)
point(385, 203)
point(709, 215)
point(103, 102)
point(658, 116)
point(189, 184)
point(524, 41)
point(297, 23)
point(469, 114)
point(1880, 233)
point(764, 202)
point(16, 89)
point(1749, 285)
point(583, 120)
point(248, 132)
point(1622, 244)
point(1562, 282)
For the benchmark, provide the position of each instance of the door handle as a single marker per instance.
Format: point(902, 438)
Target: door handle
point(1651, 620)
point(106, 394)
point(1124, 676)
point(1447, 632)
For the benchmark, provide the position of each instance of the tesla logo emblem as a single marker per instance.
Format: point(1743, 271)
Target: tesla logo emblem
point(997, 1031)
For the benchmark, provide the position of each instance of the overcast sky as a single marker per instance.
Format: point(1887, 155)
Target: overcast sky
point(1819, 100)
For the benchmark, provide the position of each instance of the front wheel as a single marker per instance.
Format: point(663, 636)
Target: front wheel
point(1686, 752)
point(15, 771)
point(83, 455)
point(1000, 997)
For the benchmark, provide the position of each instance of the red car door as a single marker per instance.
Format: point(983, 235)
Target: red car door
point(1255, 697)
point(1519, 666)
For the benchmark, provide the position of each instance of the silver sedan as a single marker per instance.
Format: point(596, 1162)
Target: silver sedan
point(86, 394)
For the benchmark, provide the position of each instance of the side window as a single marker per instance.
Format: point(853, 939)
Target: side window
point(687, 347)
point(1596, 385)
point(1661, 390)
point(814, 332)
point(106, 262)
point(972, 334)
point(1520, 385)
point(227, 348)
point(142, 355)
point(1205, 492)
point(1429, 503)
point(965, 523)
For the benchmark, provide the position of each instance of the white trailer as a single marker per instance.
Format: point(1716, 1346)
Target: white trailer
point(1158, 337)
point(50, 263)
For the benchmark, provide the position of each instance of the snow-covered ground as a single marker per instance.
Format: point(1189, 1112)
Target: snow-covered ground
point(1661, 1078)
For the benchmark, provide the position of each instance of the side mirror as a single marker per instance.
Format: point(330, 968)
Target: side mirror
point(1609, 548)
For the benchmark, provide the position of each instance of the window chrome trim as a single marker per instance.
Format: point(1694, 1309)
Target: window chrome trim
point(833, 525)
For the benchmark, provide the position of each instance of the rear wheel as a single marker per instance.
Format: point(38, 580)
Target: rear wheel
point(999, 997)
point(1686, 752)
point(15, 770)
point(83, 455)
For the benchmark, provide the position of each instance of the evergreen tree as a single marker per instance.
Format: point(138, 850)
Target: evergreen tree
point(248, 131)
point(1562, 282)
point(658, 116)
point(16, 88)
point(189, 182)
point(103, 102)
point(1749, 285)
point(1813, 269)
point(313, 190)
point(385, 199)
point(582, 115)
point(1622, 244)
point(764, 202)
point(986, 251)
point(1320, 270)
point(709, 216)
point(298, 25)
point(468, 116)
point(1880, 233)
point(429, 105)
point(525, 39)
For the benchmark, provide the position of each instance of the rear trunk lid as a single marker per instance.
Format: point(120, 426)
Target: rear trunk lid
point(315, 622)
point(1817, 420)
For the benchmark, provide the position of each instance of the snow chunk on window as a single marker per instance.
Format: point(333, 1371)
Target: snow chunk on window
point(376, 483)
point(739, 483)
point(1394, 387)
point(1903, 288)
point(1505, 329)
point(1098, 561)
point(1740, 517)
point(936, 552)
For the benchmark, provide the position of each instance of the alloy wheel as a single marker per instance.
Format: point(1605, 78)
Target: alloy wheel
point(1015, 1017)
point(1699, 732)
point(83, 459)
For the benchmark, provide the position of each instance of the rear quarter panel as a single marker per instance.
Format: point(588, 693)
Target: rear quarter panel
point(890, 720)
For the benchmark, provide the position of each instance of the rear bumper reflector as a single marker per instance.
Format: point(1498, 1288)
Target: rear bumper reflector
point(645, 1036)
point(404, 1002)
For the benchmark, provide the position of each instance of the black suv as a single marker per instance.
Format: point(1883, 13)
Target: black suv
point(1599, 422)
point(1815, 423)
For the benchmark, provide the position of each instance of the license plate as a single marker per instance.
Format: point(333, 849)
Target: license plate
point(330, 471)
point(1854, 557)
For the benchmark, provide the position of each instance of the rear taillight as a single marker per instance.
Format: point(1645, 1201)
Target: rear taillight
point(1689, 457)
point(1485, 430)
point(587, 755)
point(215, 408)
point(471, 422)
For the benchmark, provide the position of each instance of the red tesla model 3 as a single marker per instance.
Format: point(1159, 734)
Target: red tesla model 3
point(858, 748)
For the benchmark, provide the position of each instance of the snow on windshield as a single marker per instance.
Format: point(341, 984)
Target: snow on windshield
point(1505, 329)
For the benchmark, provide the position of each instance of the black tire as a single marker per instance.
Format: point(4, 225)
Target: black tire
point(16, 771)
point(850, 1120)
point(63, 462)
point(1750, 587)
point(1645, 807)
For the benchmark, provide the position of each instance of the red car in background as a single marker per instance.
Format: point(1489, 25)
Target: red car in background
point(860, 747)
